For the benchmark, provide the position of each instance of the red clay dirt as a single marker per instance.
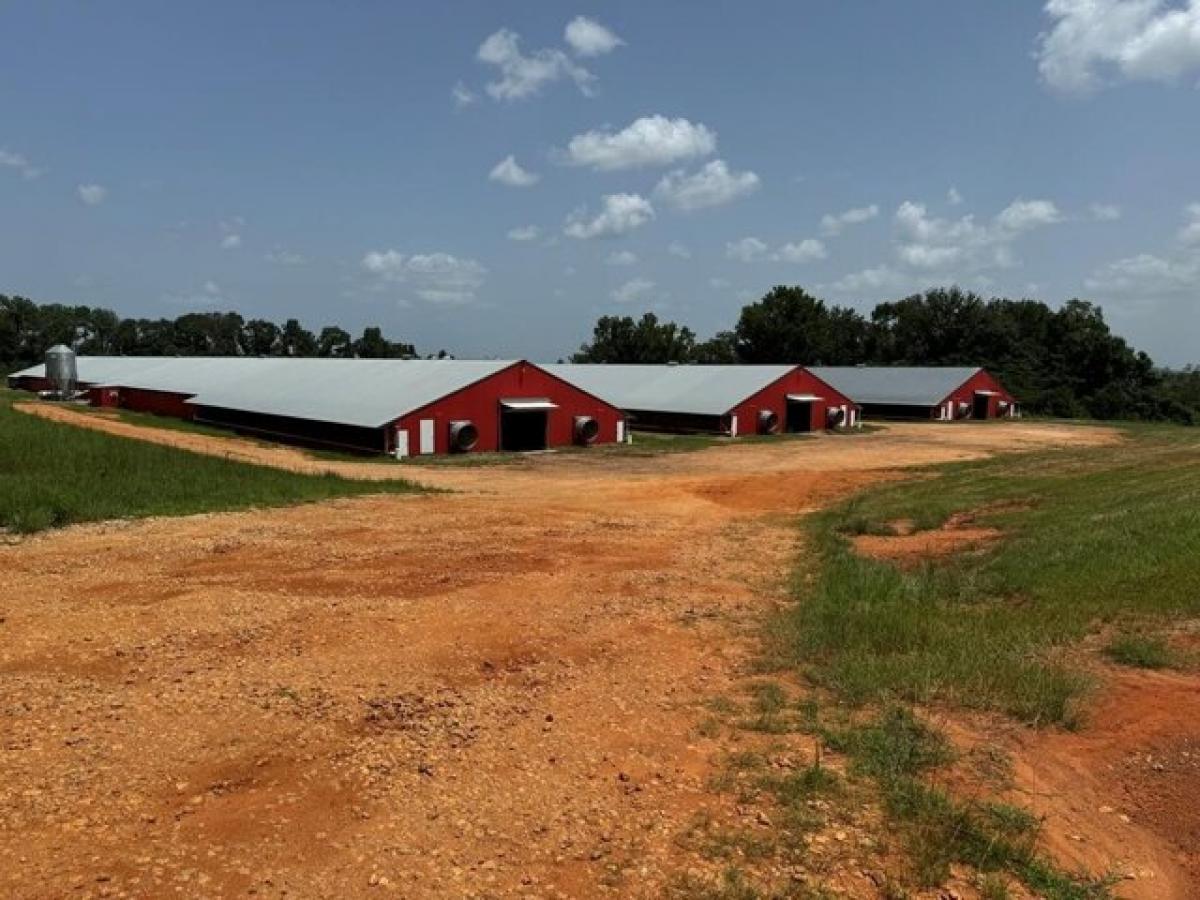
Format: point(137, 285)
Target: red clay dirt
point(493, 692)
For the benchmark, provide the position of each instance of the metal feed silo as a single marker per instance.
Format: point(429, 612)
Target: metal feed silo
point(61, 371)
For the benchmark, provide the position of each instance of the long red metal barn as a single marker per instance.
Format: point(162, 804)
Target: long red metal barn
point(723, 399)
point(405, 407)
point(923, 392)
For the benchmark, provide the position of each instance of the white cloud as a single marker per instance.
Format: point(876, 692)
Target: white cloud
point(439, 278)
point(462, 95)
point(281, 257)
point(648, 141)
point(522, 76)
point(16, 161)
point(872, 279)
point(712, 185)
point(748, 249)
point(524, 233)
point(587, 37)
point(92, 194)
point(1148, 275)
point(1091, 40)
point(508, 171)
point(231, 242)
point(633, 290)
point(752, 250)
point(1190, 233)
point(675, 248)
point(931, 243)
point(834, 224)
point(718, 284)
point(1022, 215)
point(953, 197)
point(622, 258)
point(1105, 212)
point(621, 213)
point(807, 250)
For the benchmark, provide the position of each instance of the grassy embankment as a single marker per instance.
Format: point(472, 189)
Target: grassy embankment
point(1097, 556)
point(53, 475)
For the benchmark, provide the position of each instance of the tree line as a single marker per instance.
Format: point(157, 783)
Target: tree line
point(28, 329)
point(1060, 362)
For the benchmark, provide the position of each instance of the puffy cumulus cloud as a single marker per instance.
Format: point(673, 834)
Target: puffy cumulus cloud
point(712, 185)
point(748, 249)
point(9, 160)
point(522, 75)
point(953, 197)
point(440, 278)
point(508, 171)
point(587, 37)
point(648, 141)
point(679, 250)
point(835, 223)
point(231, 242)
point(621, 213)
point(621, 258)
point(1022, 215)
point(932, 243)
point(633, 290)
point(524, 233)
point(1104, 212)
point(807, 250)
point(752, 250)
point(92, 194)
point(1091, 40)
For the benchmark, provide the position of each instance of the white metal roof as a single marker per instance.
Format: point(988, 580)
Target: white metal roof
point(365, 392)
point(895, 385)
point(688, 389)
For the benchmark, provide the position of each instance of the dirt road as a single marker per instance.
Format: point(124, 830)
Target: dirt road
point(493, 692)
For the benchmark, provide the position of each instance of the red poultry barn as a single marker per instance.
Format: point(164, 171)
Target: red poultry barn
point(404, 407)
point(723, 399)
point(922, 392)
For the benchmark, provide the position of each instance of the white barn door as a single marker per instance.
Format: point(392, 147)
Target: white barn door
point(426, 436)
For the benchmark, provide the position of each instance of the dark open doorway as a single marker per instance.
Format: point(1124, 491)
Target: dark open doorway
point(982, 404)
point(522, 430)
point(799, 416)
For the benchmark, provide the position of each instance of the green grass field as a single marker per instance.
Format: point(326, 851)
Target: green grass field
point(1096, 562)
point(53, 475)
point(1097, 538)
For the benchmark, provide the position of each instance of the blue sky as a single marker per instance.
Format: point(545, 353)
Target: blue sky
point(345, 163)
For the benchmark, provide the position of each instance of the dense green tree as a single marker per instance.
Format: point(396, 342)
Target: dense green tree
point(789, 325)
point(334, 341)
point(621, 339)
point(296, 340)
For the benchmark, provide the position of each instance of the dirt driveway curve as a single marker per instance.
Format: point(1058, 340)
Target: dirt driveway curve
point(487, 693)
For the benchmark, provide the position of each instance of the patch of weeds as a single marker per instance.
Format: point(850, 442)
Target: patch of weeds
point(289, 693)
point(1140, 651)
point(768, 701)
point(722, 706)
point(709, 728)
point(896, 744)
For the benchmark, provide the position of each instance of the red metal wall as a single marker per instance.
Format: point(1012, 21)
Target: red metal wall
point(774, 398)
point(480, 403)
point(980, 381)
point(160, 403)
